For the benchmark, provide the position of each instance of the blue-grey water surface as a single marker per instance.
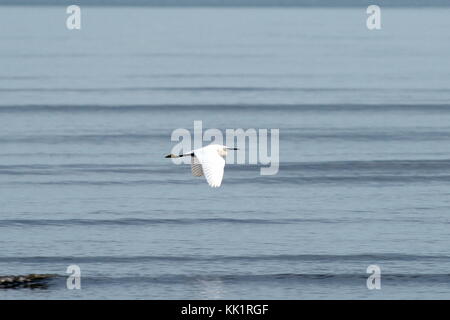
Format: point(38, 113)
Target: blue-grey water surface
point(364, 118)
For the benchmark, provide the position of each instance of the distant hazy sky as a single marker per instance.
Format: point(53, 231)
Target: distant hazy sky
point(336, 3)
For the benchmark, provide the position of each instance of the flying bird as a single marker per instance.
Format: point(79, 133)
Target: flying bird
point(208, 161)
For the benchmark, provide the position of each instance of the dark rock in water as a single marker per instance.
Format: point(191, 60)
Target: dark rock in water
point(32, 281)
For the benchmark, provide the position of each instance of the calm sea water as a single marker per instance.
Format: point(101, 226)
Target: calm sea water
point(364, 118)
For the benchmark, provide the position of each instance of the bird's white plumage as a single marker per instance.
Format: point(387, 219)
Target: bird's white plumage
point(208, 161)
point(212, 164)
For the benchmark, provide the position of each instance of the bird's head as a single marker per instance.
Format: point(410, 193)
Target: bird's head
point(223, 150)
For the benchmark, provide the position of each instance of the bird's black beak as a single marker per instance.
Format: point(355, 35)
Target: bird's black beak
point(233, 148)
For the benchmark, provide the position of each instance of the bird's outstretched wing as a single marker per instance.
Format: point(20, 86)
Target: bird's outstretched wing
point(196, 167)
point(212, 166)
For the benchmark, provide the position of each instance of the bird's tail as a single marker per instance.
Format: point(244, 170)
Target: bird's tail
point(171, 156)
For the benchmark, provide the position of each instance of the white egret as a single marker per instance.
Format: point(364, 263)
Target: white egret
point(208, 161)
